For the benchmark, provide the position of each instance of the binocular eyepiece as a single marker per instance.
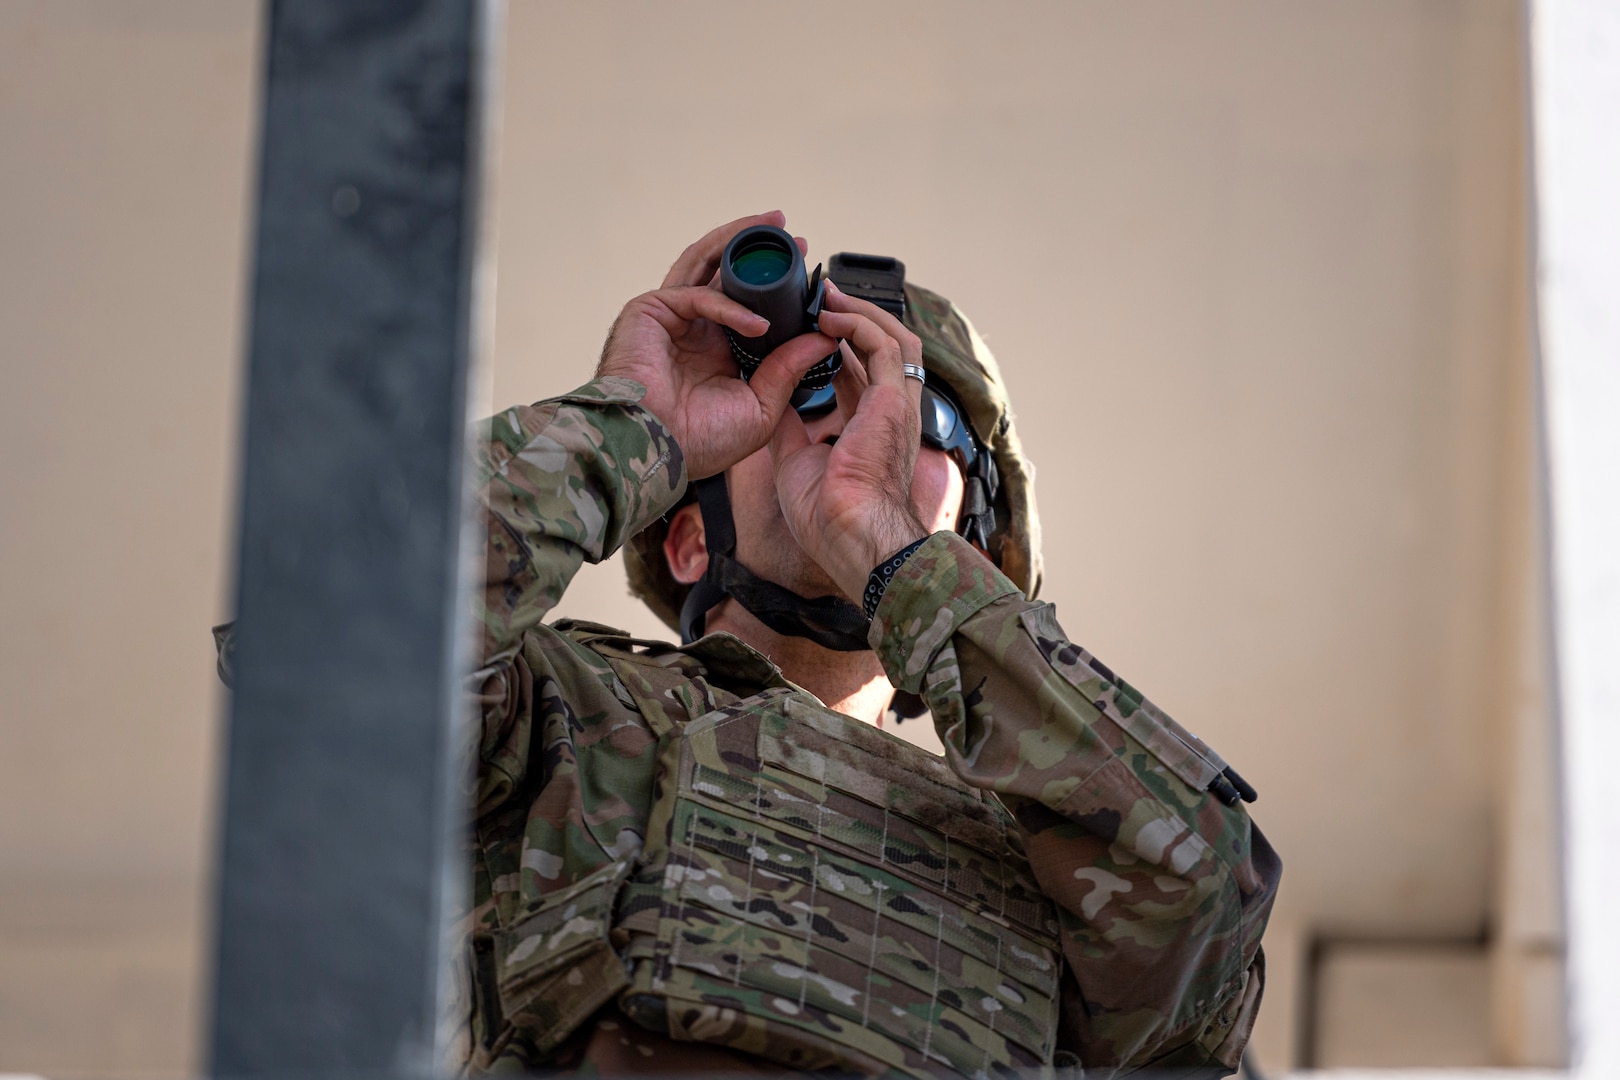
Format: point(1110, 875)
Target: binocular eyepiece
point(763, 270)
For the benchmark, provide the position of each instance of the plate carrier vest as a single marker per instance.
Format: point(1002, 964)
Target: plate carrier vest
point(813, 891)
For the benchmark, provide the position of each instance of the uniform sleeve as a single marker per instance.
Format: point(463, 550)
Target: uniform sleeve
point(564, 481)
point(564, 761)
point(1131, 823)
point(558, 483)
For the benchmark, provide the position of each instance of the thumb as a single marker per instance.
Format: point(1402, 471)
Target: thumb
point(780, 372)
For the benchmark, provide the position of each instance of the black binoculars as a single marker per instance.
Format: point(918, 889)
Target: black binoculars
point(763, 270)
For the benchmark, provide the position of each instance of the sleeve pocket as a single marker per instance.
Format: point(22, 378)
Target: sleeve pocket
point(1179, 750)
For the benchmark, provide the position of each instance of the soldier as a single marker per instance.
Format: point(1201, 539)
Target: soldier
point(710, 858)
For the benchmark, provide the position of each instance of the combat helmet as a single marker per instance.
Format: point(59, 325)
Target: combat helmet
point(954, 354)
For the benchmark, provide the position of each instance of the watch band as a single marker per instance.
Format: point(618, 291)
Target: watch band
point(882, 574)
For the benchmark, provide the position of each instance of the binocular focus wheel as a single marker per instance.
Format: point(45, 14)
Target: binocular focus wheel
point(817, 378)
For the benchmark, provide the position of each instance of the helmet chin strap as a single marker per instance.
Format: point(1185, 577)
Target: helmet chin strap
point(829, 621)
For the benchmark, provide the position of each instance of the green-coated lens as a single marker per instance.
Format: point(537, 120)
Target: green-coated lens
point(761, 265)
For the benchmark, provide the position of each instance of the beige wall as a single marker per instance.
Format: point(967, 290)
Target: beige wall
point(1253, 273)
point(125, 133)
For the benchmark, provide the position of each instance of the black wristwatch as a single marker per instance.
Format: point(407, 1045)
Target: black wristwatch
point(882, 574)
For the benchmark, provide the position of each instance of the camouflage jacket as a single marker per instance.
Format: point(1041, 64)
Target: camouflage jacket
point(1162, 888)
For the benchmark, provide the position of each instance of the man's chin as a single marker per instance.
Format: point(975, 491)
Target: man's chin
point(811, 582)
point(797, 572)
point(787, 564)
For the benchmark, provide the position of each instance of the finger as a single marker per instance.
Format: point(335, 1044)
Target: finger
point(850, 383)
point(910, 344)
point(676, 308)
point(777, 375)
point(698, 263)
point(887, 398)
point(804, 245)
point(789, 438)
point(881, 352)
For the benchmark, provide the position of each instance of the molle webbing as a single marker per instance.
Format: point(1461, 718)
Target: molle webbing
point(824, 895)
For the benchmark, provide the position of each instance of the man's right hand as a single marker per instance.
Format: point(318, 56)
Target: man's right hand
point(672, 342)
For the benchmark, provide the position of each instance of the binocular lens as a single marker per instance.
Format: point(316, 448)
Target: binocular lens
point(763, 270)
point(761, 264)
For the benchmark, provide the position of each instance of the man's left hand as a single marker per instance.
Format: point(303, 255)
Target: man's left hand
point(848, 503)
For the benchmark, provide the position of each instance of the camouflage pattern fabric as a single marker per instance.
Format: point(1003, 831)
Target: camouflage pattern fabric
point(828, 896)
point(1160, 890)
point(954, 351)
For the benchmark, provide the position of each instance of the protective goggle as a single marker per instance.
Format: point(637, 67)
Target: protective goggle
point(943, 425)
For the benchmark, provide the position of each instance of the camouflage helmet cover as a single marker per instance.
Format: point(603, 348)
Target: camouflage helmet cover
point(954, 352)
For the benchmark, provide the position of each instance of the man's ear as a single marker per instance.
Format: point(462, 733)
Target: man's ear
point(684, 545)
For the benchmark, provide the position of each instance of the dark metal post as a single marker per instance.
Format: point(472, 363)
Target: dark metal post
point(336, 852)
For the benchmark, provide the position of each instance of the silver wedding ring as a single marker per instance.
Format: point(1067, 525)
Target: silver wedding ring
point(915, 371)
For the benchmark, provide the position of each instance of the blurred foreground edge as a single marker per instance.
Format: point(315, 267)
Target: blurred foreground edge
point(335, 864)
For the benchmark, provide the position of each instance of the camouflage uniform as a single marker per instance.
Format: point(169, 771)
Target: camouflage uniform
point(1159, 889)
